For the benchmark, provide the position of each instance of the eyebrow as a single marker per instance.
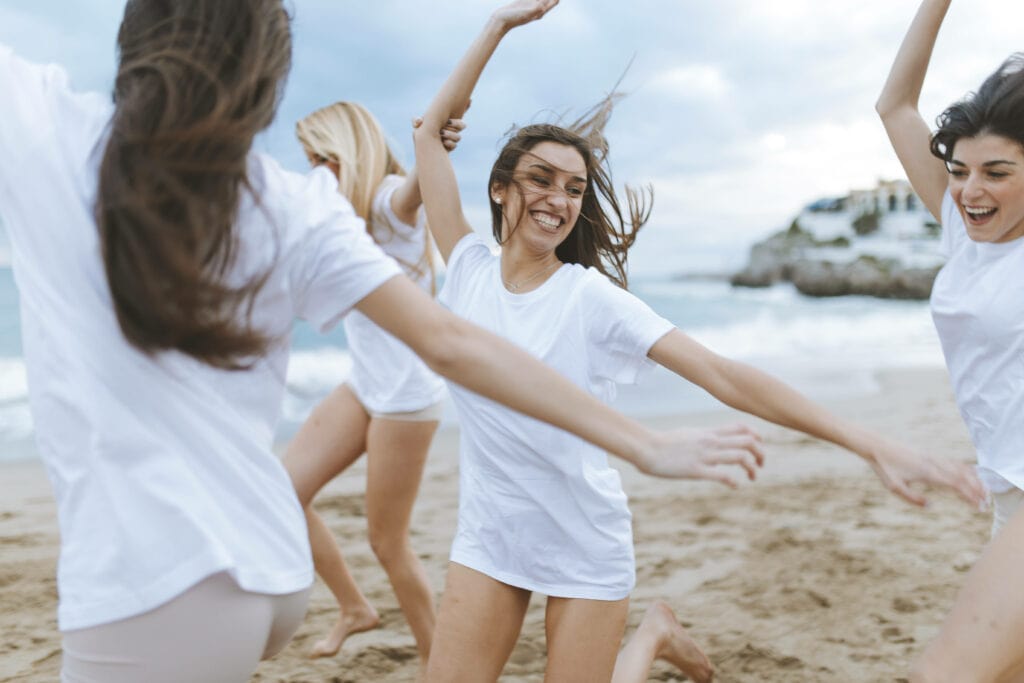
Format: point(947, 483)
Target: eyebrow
point(551, 169)
point(987, 164)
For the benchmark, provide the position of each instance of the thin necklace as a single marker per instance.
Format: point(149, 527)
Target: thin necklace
point(515, 287)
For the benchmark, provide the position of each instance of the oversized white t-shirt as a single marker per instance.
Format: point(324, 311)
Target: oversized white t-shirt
point(386, 375)
point(978, 308)
point(539, 508)
point(162, 467)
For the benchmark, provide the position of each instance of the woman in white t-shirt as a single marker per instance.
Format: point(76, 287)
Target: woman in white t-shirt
point(970, 175)
point(391, 404)
point(161, 264)
point(540, 510)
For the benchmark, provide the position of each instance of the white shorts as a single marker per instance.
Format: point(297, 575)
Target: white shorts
point(1004, 505)
point(431, 413)
point(212, 633)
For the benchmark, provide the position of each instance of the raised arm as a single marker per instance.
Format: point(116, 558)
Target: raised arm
point(497, 369)
point(407, 199)
point(437, 177)
point(745, 388)
point(898, 106)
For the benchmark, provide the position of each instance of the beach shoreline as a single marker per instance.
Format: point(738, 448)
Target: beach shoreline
point(813, 573)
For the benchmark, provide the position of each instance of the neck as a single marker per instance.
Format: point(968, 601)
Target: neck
point(523, 272)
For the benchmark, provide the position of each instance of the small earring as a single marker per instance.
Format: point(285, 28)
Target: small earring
point(497, 200)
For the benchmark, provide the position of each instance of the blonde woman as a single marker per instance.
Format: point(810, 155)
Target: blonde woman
point(391, 404)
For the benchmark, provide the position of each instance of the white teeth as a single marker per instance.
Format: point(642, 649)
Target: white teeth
point(978, 212)
point(546, 220)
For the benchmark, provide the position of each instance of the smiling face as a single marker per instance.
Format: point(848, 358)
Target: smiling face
point(540, 207)
point(986, 180)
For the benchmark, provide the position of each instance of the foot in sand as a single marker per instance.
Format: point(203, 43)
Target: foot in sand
point(675, 644)
point(351, 621)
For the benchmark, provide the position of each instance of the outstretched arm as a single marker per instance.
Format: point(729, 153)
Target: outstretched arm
point(437, 177)
point(493, 367)
point(898, 106)
point(745, 388)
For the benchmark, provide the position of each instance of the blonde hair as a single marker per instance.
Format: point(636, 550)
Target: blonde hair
point(346, 134)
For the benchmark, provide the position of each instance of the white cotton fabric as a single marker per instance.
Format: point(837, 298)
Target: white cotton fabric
point(540, 508)
point(978, 308)
point(162, 467)
point(387, 377)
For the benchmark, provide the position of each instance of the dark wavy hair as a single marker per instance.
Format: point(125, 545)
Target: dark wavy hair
point(997, 108)
point(197, 80)
point(602, 235)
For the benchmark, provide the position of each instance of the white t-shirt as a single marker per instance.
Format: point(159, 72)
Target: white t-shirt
point(978, 308)
point(162, 468)
point(387, 376)
point(539, 508)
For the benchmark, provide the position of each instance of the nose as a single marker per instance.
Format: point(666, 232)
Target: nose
point(557, 197)
point(972, 186)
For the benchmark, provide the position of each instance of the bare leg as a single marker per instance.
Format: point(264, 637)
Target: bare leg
point(661, 636)
point(396, 452)
point(331, 440)
point(583, 637)
point(980, 642)
point(477, 627)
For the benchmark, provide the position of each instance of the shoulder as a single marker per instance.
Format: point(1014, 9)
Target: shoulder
point(304, 198)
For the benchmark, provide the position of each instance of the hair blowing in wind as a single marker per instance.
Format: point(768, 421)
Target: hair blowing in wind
point(197, 80)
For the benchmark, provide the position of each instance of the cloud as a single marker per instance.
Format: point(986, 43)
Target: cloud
point(739, 111)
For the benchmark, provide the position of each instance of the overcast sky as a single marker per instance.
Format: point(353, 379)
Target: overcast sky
point(739, 111)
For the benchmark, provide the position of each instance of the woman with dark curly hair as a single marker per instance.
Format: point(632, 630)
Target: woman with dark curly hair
point(970, 175)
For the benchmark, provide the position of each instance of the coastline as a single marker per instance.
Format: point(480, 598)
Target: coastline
point(813, 573)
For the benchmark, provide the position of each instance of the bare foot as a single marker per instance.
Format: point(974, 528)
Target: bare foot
point(675, 644)
point(352, 621)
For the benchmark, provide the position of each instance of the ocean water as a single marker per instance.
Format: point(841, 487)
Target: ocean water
point(825, 347)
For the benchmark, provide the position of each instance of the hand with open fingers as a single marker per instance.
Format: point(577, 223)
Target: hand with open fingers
point(899, 467)
point(701, 453)
point(451, 134)
point(522, 12)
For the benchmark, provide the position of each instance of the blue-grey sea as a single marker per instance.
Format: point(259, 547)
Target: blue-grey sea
point(826, 347)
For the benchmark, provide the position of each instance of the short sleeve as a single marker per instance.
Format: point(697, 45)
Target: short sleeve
point(621, 329)
point(28, 91)
point(338, 264)
point(954, 232)
point(467, 259)
point(384, 216)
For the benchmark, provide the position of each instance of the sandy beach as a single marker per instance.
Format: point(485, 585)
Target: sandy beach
point(813, 573)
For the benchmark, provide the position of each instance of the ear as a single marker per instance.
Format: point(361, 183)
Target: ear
point(497, 193)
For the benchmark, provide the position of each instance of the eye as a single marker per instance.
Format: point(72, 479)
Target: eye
point(997, 174)
point(957, 173)
point(574, 191)
point(539, 181)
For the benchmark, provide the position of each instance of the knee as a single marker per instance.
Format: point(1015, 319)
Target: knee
point(390, 548)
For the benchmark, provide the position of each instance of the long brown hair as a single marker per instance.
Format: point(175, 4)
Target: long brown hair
point(197, 80)
point(602, 235)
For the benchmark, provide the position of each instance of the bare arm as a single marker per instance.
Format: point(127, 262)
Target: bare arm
point(898, 106)
point(437, 177)
point(748, 389)
point(495, 368)
point(406, 199)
